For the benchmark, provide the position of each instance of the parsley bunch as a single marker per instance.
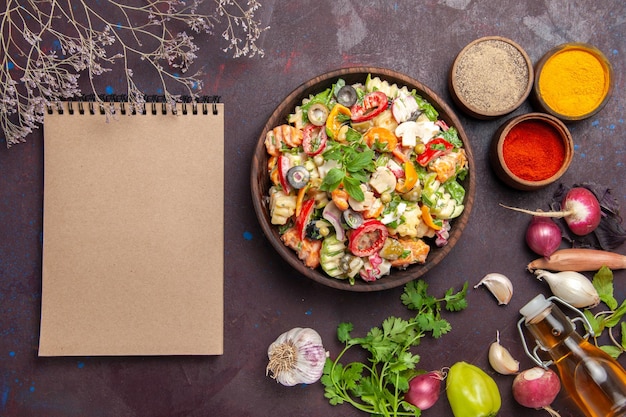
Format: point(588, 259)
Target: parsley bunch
point(377, 387)
point(608, 319)
point(355, 163)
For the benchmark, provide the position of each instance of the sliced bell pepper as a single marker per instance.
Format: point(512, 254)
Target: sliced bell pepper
point(406, 184)
point(283, 167)
point(380, 139)
point(434, 149)
point(401, 156)
point(302, 192)
point(428, 219)
point(338, 116)
point(304, 218)
point(368, 239)
point(373, 104)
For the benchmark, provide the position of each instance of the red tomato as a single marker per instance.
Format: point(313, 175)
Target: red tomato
point(314, 139)
point(374, 103)
point(368, 239)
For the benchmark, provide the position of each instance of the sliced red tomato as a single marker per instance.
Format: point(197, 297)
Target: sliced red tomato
point(373, 104)
point(368, 239)
point(304, 218)
point(283, 166)
point(314, 139)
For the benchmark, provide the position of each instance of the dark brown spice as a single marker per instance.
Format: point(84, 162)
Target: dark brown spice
point(491, 76)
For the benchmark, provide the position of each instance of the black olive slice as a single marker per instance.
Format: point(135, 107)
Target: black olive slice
point(346, 96)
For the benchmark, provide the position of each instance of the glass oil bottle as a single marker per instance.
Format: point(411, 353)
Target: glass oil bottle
point(594, 380)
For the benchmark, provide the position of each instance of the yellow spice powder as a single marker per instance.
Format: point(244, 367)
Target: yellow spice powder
point(573, 82)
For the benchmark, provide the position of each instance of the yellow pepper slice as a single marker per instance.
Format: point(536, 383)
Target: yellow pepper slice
point(338, 116)
point(380, 138)
point(428, 219)
point(406, 184)
point(300, 198)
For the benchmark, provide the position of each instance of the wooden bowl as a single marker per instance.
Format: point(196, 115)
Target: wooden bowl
point(260, 182)
point(576, 82)
point(490, 77)
point(497, 158)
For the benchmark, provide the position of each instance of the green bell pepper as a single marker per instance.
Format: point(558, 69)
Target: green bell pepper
point(471, 392)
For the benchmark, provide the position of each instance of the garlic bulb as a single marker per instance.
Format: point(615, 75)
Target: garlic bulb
point(499, 285)
point(500, 358)
point(296, 357)
point(572, 287)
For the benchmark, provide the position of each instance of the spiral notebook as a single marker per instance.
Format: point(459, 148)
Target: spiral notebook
point(133, 230)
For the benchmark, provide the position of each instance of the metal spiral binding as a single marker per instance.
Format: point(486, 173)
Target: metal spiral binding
point(89, 103)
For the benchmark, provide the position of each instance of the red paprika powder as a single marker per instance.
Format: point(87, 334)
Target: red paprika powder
point(533, 150)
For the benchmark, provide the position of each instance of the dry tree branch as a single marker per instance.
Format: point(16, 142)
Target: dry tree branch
point(47, 45)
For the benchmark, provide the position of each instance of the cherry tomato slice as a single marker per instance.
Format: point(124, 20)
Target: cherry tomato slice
point(314, 139)
point(374, 103)
point(368, 239)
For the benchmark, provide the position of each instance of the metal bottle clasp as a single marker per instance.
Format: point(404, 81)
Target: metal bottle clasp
point(533, 355)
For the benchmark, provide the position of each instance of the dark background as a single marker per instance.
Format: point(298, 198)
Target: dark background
point(263, 295)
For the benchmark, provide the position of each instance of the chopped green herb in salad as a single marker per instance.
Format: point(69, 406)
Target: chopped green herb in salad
point(365, 178)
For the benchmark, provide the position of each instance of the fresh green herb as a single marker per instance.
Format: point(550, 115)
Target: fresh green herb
point(452, 136)
point(426, 107)
point(456, 191)
point(609, 319)
point(323, 98)
point(355, 162)
point(338, 85)
point(378, 386)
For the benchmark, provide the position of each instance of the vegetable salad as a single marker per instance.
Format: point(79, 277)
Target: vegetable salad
point(364, 178)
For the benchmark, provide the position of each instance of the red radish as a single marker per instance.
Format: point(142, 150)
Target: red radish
point(543, 236)
point(424, 389)
point(580, 209)
point(537, 388)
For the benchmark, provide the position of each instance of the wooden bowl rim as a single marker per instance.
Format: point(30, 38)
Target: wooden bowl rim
point(558, 125)
point(259, 180)
point(486, 114)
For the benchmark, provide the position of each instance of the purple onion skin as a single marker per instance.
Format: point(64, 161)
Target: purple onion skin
point(424, 389)
point(543, 236)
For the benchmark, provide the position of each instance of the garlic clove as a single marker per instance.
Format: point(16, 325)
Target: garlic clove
point(501, 359)
point(572, 287)
point(499, 285)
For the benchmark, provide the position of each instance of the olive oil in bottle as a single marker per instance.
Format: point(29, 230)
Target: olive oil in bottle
point(594, 380)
